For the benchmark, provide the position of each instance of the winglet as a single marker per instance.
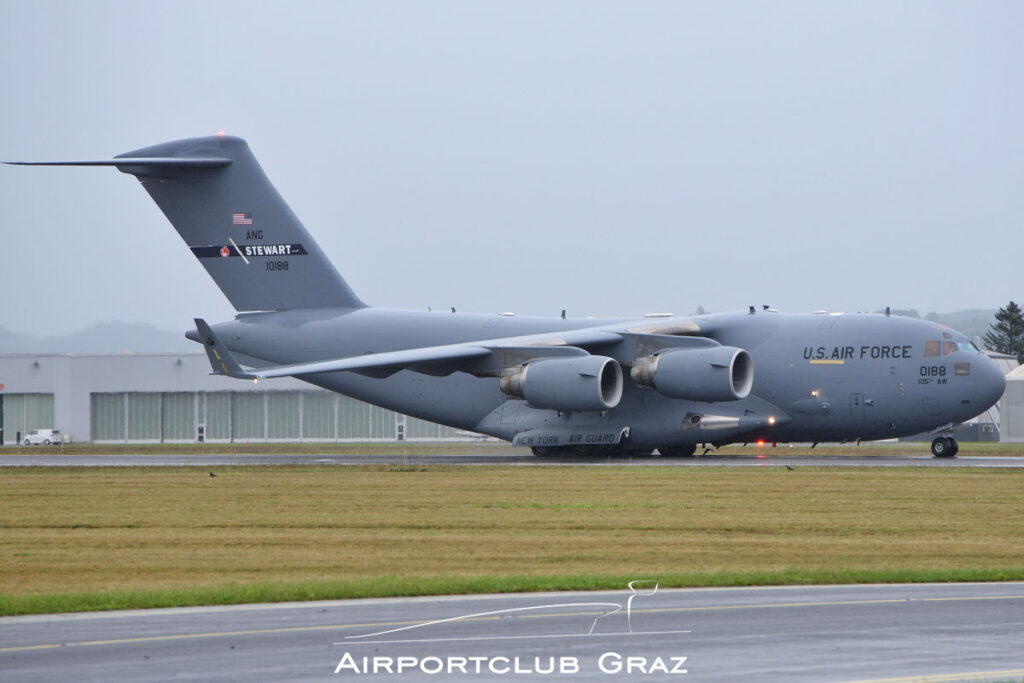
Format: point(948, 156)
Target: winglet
point(221, 360)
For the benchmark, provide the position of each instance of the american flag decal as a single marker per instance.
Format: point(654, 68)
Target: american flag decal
point(241, 219)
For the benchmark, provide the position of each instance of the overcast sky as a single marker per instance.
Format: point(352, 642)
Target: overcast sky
point(607, 158)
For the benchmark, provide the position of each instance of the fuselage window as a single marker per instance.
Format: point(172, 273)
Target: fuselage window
point(948, 348)
point(968, 347)
point(932, 349)
point(963, 368)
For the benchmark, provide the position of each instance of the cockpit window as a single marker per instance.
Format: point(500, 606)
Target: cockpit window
point(934, 348)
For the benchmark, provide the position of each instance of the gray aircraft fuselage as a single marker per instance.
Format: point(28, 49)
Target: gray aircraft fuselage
point(824, 377)
point(593, 385)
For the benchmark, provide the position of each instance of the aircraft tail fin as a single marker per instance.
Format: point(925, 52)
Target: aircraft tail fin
point(220, 201)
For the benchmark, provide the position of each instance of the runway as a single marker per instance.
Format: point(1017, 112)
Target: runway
point(812, 633)
point(483, 458)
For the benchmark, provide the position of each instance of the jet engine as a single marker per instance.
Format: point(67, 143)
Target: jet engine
point(718, 373)
point(570, 384)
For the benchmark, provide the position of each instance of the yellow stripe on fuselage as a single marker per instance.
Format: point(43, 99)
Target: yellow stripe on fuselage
point(828, 362)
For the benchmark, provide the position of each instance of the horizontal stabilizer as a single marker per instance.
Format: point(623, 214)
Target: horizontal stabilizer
point(234, 222)
point(142, 162)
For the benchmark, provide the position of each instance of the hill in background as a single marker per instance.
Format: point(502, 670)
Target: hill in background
point(110, 337)
point(973, 322)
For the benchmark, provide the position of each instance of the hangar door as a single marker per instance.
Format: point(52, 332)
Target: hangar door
point(24, 412)
point(248, 416)
point(143, 417)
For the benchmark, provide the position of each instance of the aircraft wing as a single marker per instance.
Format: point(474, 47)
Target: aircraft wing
point(224, 363)
point(482, 358)
point(381, 364)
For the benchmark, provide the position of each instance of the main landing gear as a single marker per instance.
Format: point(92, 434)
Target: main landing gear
point(614, 451)
point(678, 451)
point(945, 447)
point(604, 451)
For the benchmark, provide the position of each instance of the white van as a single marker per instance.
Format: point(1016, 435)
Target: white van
point(43, 436)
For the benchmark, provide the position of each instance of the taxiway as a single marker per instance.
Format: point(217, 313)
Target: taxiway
point(801, 633)
point(483, 458)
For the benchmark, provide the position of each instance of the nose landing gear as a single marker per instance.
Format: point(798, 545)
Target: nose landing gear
point(945, 447)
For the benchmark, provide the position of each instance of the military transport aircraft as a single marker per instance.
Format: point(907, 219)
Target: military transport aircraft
point(554, 384)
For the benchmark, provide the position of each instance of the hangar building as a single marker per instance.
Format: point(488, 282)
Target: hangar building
point(171, 397)
point(1011, 408)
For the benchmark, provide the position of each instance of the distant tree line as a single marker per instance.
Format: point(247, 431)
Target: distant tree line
point(1006, 334)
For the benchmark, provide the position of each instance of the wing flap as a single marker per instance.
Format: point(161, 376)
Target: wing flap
point(374, 364)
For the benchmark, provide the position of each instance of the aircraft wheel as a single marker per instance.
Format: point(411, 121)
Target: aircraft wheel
point(543, 451)
point(679, 451)
point(942, 447)
point(956, 447)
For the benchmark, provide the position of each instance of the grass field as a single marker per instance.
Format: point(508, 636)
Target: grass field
point(84, 538)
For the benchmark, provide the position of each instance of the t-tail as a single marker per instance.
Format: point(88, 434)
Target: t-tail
point(220, 201)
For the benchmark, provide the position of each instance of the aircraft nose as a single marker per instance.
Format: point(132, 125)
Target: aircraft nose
point(991, 382)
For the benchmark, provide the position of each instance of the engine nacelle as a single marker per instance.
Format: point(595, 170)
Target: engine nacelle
point(570, 384)
point(717, 373)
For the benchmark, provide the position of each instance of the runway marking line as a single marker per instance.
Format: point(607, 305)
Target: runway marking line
point(494, 613)
point(978, 597)
point(541, 635)
point(940, 678)
point(662, 610)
